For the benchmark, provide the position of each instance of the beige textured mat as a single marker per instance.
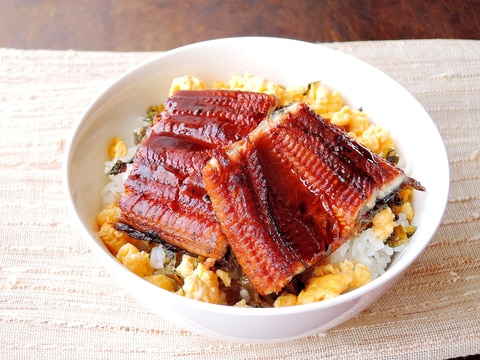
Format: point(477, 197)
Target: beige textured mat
point(57, 301)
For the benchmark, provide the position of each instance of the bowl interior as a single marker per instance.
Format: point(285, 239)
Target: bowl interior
point(288, 62)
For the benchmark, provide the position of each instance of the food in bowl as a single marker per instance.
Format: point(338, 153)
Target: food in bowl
point(114, 111)
point(187, 210)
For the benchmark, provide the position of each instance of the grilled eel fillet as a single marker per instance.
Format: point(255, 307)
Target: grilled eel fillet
point(165, 198)
point(292, 192)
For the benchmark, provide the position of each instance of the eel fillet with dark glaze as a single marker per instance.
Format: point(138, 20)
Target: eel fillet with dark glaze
point(294, 190)
point(165, 199)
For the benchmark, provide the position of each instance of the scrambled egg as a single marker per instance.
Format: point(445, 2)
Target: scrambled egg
point(406, 207)
point(117, 149)
point(201, 282)
point(112, 238)
point(383, 224)
point(376, 139)
point(187, 266)
point(186, 83)
point(322, 100)
point(135, 260)
point(163, 281)
point(203, 285)
point(327, 282)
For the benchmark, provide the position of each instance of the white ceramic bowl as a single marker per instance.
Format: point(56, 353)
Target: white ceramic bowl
point(287, 62)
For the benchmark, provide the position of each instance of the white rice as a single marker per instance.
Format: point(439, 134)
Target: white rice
point(112, 191)
point(366, 249)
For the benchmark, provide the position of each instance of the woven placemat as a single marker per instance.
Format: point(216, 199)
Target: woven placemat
point(57, 301)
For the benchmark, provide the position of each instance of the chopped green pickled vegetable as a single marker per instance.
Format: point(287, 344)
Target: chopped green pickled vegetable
point(392, 157)
point(119, 167)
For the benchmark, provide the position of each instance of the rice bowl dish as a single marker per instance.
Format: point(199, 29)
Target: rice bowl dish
point(144, 86)
point(358, 260)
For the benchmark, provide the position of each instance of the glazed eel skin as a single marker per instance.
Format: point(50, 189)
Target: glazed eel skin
point(165, 199)
point(294, 190)
point(219, 169)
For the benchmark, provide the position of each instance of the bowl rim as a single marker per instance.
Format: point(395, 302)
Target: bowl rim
point(101, 251)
